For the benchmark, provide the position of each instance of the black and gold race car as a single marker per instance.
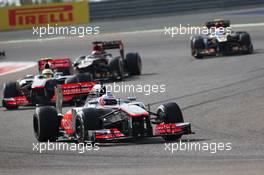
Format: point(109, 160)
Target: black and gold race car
point(104, 66)
point(220, 40)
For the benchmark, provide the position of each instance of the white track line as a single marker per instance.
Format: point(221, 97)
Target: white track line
point(114, 33)
point(25, 65)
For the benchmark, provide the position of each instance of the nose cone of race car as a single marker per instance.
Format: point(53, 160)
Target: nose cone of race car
point(134, 110)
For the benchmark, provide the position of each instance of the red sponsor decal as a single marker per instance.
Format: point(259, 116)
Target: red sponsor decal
point(108, 134)
point(77, 88)
point(168, 128)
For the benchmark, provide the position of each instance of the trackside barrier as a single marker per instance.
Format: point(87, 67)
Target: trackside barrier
point(82, 12)
point(125, 8)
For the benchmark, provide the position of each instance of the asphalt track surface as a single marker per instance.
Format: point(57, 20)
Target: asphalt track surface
point(222, 97)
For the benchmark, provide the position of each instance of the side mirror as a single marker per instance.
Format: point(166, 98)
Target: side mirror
point(131, 99)
point(93, 102)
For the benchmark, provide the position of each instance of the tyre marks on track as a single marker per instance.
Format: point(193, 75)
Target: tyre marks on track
point(210, 90)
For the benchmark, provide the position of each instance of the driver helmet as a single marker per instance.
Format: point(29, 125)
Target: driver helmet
point(47, 73)
point(219, 24)
point(97, 50)
point(108, 99)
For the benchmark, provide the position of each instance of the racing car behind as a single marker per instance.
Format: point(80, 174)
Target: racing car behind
point(104, 66)
point(221, 40)
point(40, 89)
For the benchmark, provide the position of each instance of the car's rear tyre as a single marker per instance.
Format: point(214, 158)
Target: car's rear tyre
point(197, 45)
point(79, 78)
point(170, 113)
point(85, 121)
point(245, 41)
point(10, 90)
point(2, 53)
point(46, 124)
point(117, 68)
point(133, 63)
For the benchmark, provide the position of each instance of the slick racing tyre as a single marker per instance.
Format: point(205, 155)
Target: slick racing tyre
point(85, 121)
point(79, 78)
point(2, 53)
point(10, 90)
point(46, 124)
point(245, 42)
point(117, 67)
point(197, 45)
point(133, 63)
point(170, 113)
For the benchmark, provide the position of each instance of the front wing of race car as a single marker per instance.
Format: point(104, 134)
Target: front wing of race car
point(160, 130)
point(16, 101)
point(70, 92)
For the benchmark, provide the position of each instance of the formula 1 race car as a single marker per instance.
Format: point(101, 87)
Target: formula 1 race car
point(106, 119)
point(220, 40)
point(32, 90)
point(104, 66)
point(62, 66)
point(2, 53)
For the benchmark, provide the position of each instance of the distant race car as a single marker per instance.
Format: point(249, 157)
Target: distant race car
point(2, 53)
point(32, 90)
point(60, 65)
point(221, 41)
point(104, 66)
point(105, 118)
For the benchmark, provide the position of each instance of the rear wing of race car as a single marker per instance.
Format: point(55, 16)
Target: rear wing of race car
point(71, 91)
point(77, 88)
point(58, 63)
point(68, 92)
point(108, 45)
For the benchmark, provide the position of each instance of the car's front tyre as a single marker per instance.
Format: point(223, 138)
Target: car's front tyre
point(170, 113)
point(46, 124)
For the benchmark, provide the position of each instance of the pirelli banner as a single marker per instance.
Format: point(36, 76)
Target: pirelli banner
point(41, 15)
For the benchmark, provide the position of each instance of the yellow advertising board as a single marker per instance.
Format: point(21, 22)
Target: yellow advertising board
point(42, 15)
